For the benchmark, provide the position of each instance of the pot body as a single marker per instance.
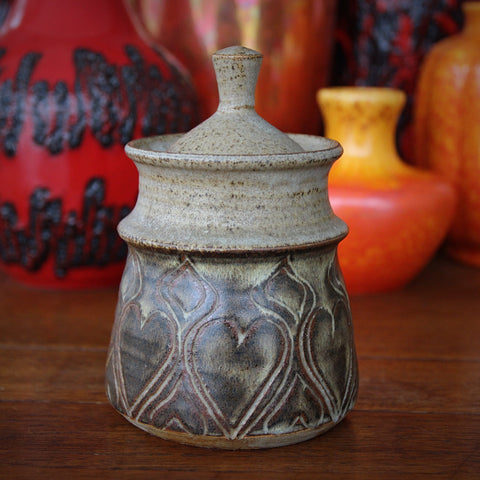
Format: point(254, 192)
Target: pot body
point(233, 327)
point(295, 36)
point(447, 128)
point(77, 82)
point(397, 215)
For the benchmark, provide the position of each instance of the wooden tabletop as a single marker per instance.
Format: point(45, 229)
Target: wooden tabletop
point(417, 415)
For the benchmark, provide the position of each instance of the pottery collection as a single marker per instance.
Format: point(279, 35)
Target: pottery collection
point(447, 128)
point(238, 242)
point(233, 327)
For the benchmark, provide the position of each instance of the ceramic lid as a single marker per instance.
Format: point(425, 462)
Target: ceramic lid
point(235, 128)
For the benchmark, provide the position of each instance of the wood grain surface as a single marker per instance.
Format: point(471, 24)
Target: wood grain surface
point(417, 415)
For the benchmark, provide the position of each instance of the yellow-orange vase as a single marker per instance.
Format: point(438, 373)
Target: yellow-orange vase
point(447, 128)
point(398, 215)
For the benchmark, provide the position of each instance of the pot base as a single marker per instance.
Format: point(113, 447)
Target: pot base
point(245, 443)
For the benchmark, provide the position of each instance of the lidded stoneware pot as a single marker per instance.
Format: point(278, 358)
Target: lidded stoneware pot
point(233, 326)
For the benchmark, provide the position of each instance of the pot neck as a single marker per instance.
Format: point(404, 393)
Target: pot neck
point(471, 11)
point(66, 18)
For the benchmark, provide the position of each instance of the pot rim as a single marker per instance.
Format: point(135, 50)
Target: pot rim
point(154, 151)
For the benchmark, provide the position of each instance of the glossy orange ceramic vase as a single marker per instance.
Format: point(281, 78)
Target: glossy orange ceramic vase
point(447, 128)
point(295, 36)
point(398, 215)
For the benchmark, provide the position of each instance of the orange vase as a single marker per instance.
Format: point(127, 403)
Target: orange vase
point(447, 128)
point(398, 215)
point(296, 38)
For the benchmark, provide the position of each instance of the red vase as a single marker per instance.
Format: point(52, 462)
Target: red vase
point(76, 83)
point(294, 36)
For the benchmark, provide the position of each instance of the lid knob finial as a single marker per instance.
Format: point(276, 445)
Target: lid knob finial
point(237, 70)
point(236, 128)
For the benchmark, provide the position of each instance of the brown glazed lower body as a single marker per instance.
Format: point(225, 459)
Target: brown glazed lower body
point(233, 352)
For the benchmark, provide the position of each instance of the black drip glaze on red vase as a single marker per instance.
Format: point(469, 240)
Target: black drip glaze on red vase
point(102, 84)
point(72, 239)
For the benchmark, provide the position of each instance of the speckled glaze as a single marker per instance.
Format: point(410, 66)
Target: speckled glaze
point(233, 327)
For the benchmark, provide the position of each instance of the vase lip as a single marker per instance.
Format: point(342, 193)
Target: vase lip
point(362, 94)
point(154, 151)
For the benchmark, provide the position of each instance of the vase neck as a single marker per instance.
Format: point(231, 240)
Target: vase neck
point(471, 12)
point(65, 18)
point(364, 121)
